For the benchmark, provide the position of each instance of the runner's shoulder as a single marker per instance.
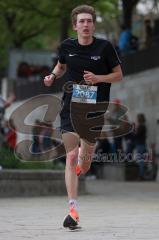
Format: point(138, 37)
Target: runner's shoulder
point(68, 41)
point(104, 42)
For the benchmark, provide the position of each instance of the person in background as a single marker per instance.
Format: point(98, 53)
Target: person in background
point(140, 143)
point(124, 42)
point(45, 139)
point(148, 33)
point(129, 140)
point(4, 104)
point(11, 136)
point(36, 132)
point(117, 146)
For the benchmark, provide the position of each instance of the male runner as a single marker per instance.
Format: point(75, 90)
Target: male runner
point(92, 65)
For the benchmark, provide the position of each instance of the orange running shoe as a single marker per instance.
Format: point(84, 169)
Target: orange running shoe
point(78, 170)
point(71, 220)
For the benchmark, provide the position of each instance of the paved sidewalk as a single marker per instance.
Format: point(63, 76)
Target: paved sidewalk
point(113, 211)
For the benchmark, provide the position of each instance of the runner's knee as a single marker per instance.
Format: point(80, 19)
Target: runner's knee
point(71, 159)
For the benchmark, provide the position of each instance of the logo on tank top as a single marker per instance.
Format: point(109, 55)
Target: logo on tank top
point(95, 58)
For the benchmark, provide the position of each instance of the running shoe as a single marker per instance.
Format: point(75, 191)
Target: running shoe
point(78, 170)
point(72, 219)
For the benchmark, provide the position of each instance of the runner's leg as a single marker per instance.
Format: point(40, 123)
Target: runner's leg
point(71, 143)
point(85, 156)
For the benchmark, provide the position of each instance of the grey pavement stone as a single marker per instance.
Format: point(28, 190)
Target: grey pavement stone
point(111, 210)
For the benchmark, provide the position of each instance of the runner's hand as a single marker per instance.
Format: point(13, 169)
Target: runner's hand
point(48, 80)
point(90, 78)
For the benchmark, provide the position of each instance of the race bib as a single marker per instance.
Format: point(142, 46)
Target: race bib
point(84, 93)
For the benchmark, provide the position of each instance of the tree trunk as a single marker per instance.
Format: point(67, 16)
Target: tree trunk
point(64, 28)
point(128, 7)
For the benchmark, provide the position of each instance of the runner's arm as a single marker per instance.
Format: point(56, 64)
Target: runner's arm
point(57, 72)
point(115, 76)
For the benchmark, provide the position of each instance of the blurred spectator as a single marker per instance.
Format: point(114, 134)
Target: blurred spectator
point(2, 108)
point(128, 42)
point(11, 136)
point(3, 105)
point(45, 139)
point(140, 143)
point(101, 157)
point(37, 128)
point(134, 43)
point(114, 118)
point(47, 136)
point(124, 40)
point(129, 140)
point(23, 70)
point(148, 33)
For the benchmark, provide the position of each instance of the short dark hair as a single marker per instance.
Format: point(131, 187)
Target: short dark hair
point(82, 9)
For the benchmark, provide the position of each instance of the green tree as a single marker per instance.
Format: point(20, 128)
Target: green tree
point(24, 20)
point(32, 23)
point(20, 21)
point(128, 7)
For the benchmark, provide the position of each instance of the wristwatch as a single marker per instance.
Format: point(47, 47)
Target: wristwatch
point(52, 73)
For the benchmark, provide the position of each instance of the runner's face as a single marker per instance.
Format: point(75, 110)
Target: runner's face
point(84, 25)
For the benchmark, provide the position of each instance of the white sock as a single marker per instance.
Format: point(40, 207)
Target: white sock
point(73, 203)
